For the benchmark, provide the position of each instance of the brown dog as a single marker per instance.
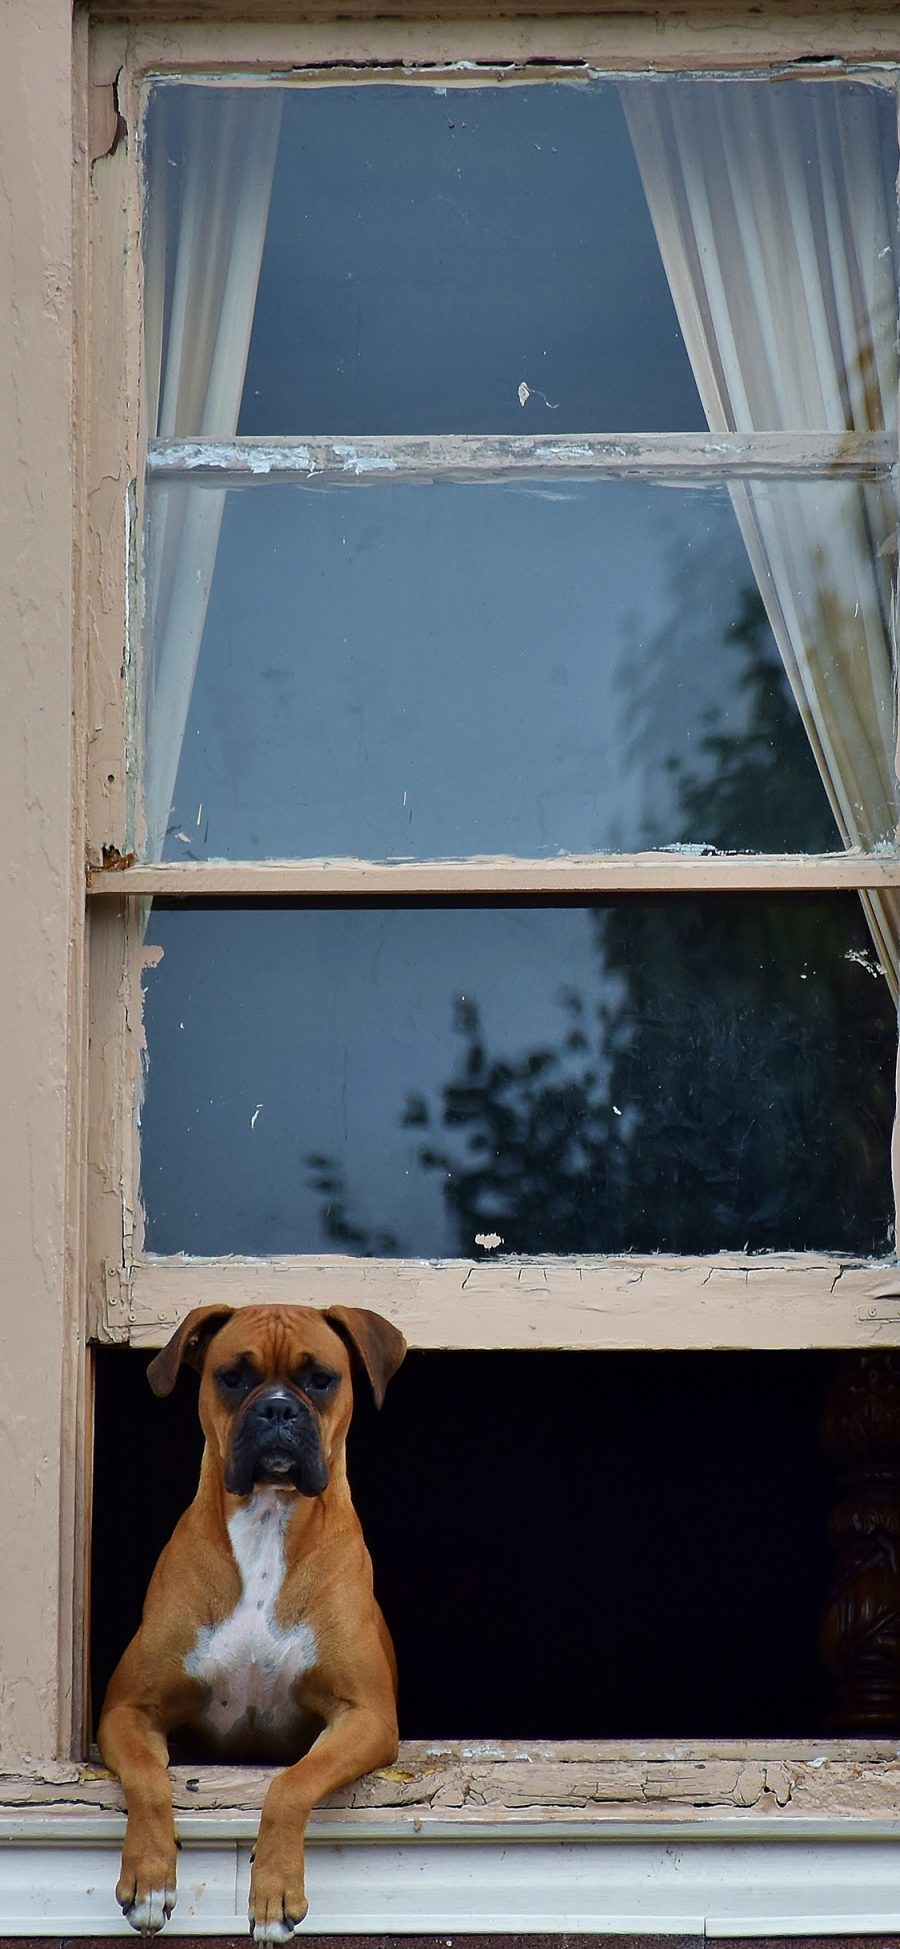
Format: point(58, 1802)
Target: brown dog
point(260, 1632)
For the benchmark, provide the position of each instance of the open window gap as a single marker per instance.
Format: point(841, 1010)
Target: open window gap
point(566, 1546)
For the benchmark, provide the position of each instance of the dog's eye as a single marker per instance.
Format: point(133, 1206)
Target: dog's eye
point(320, 1381)
point(233, 1380)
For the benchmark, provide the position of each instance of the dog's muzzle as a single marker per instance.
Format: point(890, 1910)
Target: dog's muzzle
point(276, 1439)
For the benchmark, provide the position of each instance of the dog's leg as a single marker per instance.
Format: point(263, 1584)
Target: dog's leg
point(134, 1747)
point(354, 1741)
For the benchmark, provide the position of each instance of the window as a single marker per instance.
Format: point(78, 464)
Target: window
point(511, 753)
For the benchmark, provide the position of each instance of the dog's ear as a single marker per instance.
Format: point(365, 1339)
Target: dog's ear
point(189, 1342)
point(377, 1343)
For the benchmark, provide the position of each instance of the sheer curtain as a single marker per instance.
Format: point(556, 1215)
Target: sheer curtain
point(775, 211)
point(211, 163)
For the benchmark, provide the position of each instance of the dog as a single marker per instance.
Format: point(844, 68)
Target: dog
point(260, 1633)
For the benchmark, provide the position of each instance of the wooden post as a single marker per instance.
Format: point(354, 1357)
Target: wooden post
point(860, 1636)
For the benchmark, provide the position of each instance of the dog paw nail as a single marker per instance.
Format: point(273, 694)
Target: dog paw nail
point(148, 1915)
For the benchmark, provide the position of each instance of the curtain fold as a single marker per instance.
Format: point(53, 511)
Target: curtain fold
point(775, 212)
point(209, 190)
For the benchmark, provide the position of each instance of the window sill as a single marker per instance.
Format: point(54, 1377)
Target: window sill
point(445, 1785)
point(726, 1840)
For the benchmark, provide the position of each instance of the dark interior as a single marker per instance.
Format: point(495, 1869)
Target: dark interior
point(566, 1546)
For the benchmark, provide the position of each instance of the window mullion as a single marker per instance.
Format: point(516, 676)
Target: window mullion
point(766, 1300)
point(484, 457)
point(683, 871)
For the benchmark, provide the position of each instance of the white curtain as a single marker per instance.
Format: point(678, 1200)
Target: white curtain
point(212, 159)
point(775, 211)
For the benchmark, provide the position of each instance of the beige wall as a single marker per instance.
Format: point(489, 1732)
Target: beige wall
point(36, 955)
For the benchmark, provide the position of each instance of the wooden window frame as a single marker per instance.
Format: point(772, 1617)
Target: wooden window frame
point(725, 1300)
point(798, 1299)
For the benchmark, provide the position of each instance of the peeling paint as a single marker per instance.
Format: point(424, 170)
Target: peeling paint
point(732, 447)
point(355, 462)
point(568, 452)
point(526, 392)
point(864, 960)
point(691, 849)
point(107, 128)
point(115, 861)
point(207, 456)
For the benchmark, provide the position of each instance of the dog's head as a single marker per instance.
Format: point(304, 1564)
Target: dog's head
point(275, 1388)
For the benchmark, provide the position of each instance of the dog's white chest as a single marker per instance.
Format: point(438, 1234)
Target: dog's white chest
point(250, 1662)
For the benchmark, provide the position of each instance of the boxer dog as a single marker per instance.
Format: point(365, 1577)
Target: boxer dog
point(260, 1634)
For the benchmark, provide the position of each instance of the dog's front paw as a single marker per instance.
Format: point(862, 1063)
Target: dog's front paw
point(278, 1903)
point(147, 1899)
point(148, 1912)
point(277, 1928)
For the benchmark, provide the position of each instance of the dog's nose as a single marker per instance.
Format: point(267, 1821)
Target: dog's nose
point(278, 1410)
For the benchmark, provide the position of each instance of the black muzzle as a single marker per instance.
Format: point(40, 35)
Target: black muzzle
point(276, 1440)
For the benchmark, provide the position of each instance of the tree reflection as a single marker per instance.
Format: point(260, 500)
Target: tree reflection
point(341, 1229)
point(752, 785)
point(661, 1121)
point(706, 1093)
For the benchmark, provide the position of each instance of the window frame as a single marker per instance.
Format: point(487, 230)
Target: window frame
point(803, 1299)
point(806, 1299)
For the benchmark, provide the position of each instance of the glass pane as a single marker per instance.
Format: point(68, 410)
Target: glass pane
point(635, 1075)
point(562, 256)
point(431, 251)
point(399, 671)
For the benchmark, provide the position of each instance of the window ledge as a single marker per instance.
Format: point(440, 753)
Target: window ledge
point(729, 1839)
point(450, 1784)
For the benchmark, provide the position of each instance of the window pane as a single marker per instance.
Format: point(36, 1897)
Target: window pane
point(429, 251)
point(399, 671)
point(635, 1075)
point(563, 256)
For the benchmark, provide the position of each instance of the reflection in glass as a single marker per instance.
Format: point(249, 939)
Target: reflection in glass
point(392, 671)
point(636, 1075)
